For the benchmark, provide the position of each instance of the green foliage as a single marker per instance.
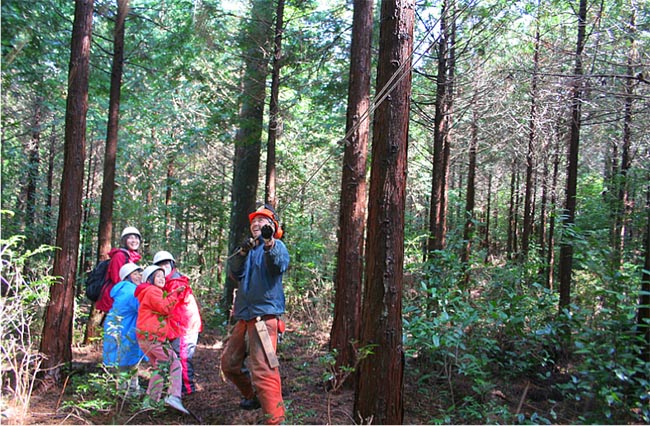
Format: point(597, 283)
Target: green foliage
point(108, 391)
point(25, 291)
point(335, 375)
point(610, 377)
point(504, 329)
point(296, 415)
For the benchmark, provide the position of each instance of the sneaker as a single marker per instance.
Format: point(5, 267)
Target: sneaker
point(176, 403)
point(135, 392)
point(250, 404)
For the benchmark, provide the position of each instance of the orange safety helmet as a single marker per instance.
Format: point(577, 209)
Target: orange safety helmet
point(267, 211)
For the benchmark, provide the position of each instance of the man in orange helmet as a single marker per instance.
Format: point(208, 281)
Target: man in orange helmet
point(259, 302)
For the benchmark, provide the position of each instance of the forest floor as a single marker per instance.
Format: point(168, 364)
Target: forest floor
point(308, 402)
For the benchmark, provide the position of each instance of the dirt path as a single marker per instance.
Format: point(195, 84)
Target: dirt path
point(216, 401)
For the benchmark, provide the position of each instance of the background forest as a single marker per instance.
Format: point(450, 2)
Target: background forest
point(517, 306)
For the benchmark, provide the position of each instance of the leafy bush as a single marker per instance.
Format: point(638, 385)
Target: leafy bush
point(470, 340)
point(106, 392)
point(25, 293)
point(609, 379)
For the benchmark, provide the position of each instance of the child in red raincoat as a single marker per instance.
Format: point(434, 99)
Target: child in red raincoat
point(185, 318)
point(152, 328)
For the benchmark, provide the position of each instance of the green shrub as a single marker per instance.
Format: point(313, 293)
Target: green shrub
point(25, 292)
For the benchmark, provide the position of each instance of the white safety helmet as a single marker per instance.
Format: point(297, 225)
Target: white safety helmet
point(149, 270)
point(163, 255)
point(131, 230)
point(127, 269)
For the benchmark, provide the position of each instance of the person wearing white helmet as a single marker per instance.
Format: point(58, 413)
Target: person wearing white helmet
point(185, 319)
point(152, 329)
point(130, 241)
point(121, 349)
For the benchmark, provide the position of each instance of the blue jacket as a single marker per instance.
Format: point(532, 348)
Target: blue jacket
point(121, 347)
point(260, 289)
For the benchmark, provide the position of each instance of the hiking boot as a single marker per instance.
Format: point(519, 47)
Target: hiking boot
point(134, 389)
point(250, 404)
point(176, 403)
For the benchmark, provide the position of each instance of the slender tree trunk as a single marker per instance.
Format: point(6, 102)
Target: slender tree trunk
point(449, 109)
point(50, 185)
point(274, 110)
point(532, 136)
point(459, 216)
point(488, 213)
point(515, 217)
point(246, 167)
point(643, 314)
point(468, 230)
point(624, 209)
point(169, 182)
point(105, 231)
point(33, 171)
point(56, 341)
point(511, 212)
point(550, 268)
point(566, 248)
point(86, 239)
point(378, 397)
point(441, 134)
point(108, 185)
point(352, 215)
point(543, 212)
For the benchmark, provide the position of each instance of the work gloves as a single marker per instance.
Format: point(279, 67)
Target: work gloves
point(247, 245)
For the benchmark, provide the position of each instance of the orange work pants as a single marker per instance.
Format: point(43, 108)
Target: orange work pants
point(265, 379)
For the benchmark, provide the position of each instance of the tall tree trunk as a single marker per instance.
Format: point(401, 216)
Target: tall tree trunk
point(50, 185)
point(246, 167)
point(105, 231)
point(515, 217)
point(86, 240)
point(532, 135)
point(352, 215)
point(623, 207)
point(488, 213)
point(33, 171)
point(449, 109)
point(169, 183)
point(274, 110)
point(550, 261)
point(108, 184)
point(643, 314)
point(441, 133)
point(510, 244)
point(378, 397)
point(566, 248)
point(468, 230)
point(56, 341)
point(543, 210)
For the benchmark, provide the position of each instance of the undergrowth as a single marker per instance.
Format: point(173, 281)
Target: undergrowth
point(468, 343)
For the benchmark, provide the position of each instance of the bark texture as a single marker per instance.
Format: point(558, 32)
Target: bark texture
point(352, 214)
point(566, 248)
point(56, 342)
point(378, 397)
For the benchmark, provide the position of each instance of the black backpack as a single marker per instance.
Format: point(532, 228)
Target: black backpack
point(96, 280)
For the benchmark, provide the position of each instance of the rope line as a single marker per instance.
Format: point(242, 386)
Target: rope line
point(380, 97)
